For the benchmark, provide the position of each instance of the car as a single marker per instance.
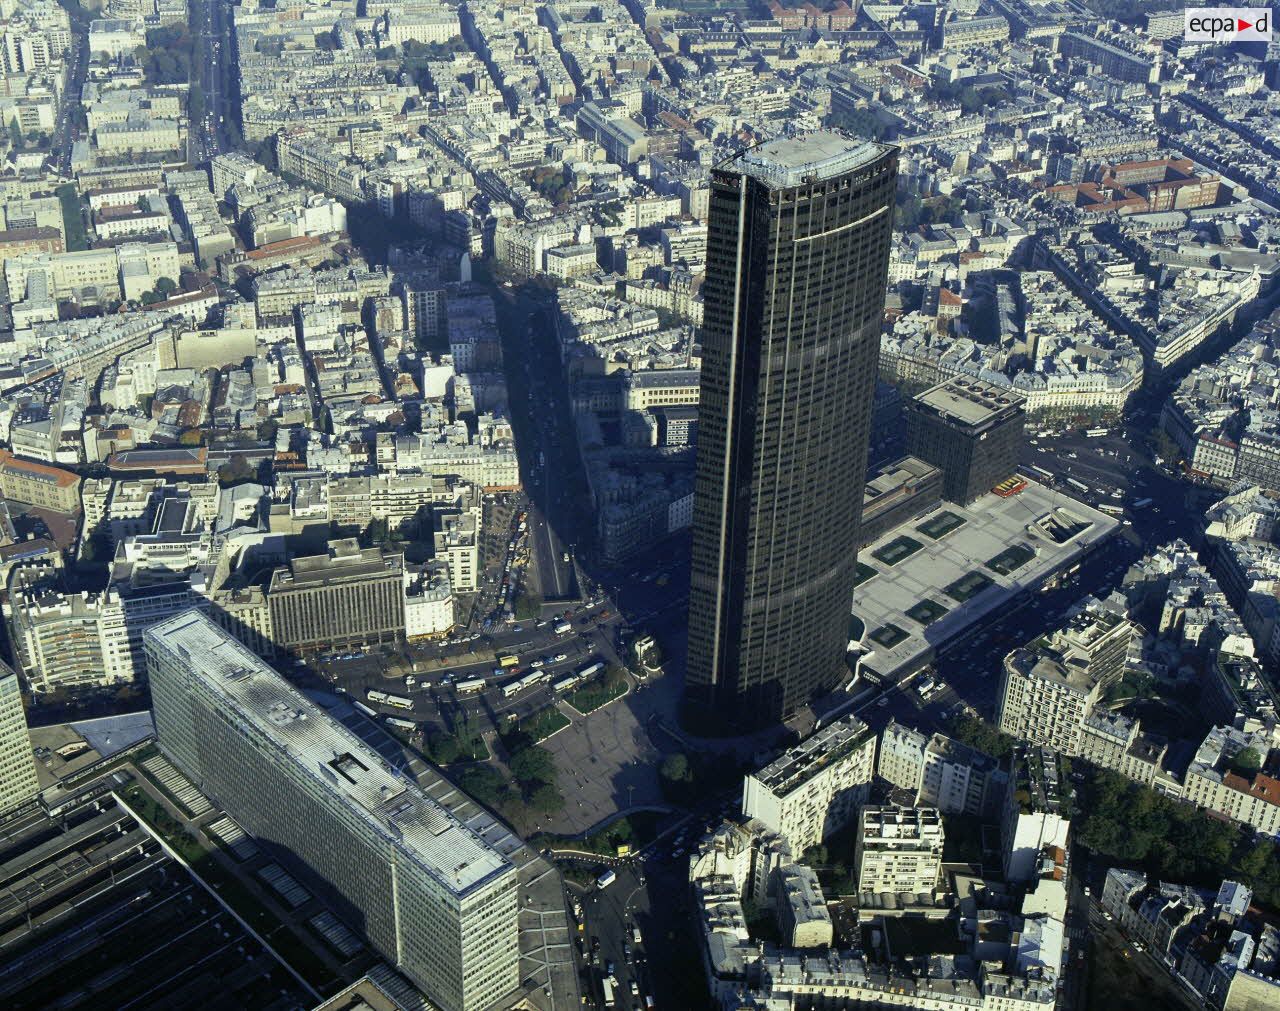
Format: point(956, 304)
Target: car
point(560, 658)
point(537, 663)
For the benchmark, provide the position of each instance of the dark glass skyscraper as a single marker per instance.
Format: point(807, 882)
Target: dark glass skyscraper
point(797, 251)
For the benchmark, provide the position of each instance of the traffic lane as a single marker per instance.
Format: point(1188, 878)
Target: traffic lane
point(607, 914)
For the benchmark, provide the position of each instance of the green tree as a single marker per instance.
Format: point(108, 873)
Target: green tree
point(533, 767)
point(165, 286)
point(15, 132)
point(675, 768)
point(1246, 761)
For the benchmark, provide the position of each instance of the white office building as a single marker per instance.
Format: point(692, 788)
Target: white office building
point(432, 897)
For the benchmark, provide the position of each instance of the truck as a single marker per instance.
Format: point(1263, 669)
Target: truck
point(509, 660)
point(606, 878)
point(563, 628)
point(606, 984)
point(635, 933)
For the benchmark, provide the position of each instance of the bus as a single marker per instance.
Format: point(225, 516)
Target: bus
point(566, 684)
point(364, 709)
point(528, 681)
point(387, 699)
point(1040, 472)
point(1095, 433)
point(510, 660)
point(470, 686)
point(590, 671)
point(1142, 503)
point(395, 721)
point(1111, 510)
point(606, 984)
point(563, 628)
point(1079, 486)
point(605, 879)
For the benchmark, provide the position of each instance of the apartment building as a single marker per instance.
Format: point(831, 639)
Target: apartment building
point(816, 787)
point(432, 897)
point(38, 484)
point(899, 850)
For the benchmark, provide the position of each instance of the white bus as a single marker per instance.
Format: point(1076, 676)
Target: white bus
point(606, 878)
point(590, 671)
point(395, 721)
point(364, 709)
point(387, 699)
point(1079, 486)
point(1111, 510)
point(606, 985)
point(566, 684)
point(470, 686)
point(1040, 472)
point(1095, 433)
point(528, 681)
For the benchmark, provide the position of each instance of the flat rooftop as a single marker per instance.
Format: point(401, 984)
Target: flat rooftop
point(940, 571)
point(810, 157)
point(797, 765)
point(969, 402)
point(392, 806)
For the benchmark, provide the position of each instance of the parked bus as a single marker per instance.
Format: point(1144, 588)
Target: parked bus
point(395, 721)
point(364, 709)
point(1111, 510)
point(1040, 472)
point(1096, 433)
point(510, 660)
point(563, 628)
point(590, 671)
point(470, 686)
point(1079, 486)
point(387, 699)
point(606, 878)
point(606, 985)
point(1142, 503)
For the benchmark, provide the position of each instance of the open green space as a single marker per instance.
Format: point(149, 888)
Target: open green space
point(1010, 559)
point(77, 238)
point(927, 611)
point(598, 692)
point(937, 527)
point(534, 728)
point(888, 636)
point(897, 550)
point(968, 586)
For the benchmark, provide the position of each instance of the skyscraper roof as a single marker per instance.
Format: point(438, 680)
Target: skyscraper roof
point(810, 157)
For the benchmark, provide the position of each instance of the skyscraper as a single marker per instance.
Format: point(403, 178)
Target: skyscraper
point(432, 896)
point(797, 253)
point(17, 766)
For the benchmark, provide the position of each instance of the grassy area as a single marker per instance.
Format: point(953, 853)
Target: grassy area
point(591, 697)
point(231, 889)
point(635, 830)
point(538, 726)
point(72, 219)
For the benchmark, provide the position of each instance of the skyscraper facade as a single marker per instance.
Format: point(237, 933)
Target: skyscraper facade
point(798, 245)
point(432, 897)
